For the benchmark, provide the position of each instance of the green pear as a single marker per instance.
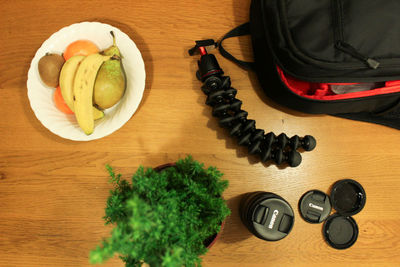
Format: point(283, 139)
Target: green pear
point(110, 81)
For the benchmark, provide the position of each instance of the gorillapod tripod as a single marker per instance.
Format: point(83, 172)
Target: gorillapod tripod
point(221, 96)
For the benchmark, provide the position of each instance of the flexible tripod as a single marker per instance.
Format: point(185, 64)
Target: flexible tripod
point(221, 96)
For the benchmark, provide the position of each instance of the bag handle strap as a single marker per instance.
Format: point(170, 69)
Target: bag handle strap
point(240, 30)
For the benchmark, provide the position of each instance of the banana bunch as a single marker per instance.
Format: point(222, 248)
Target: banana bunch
point(77, 80)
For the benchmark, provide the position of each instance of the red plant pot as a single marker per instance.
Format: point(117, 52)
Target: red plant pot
point(164, 166)
point(209, 242)
point(215, 237)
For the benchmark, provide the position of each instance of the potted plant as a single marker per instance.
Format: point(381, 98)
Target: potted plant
point(166, 216)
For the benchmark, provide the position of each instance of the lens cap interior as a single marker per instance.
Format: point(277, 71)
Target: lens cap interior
point(272, 218)
point(340, 232)
point(348, 197)
point(315, 206)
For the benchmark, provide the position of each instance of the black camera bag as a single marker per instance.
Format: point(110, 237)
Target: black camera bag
point(305, 51)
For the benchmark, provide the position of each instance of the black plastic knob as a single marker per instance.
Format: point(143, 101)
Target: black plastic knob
point(208, 67)
point(215, 98)
point(220, 110)
point(241, 116)
point(213, 83)
point(308, 143)
point(230, 94)
point(294, 158)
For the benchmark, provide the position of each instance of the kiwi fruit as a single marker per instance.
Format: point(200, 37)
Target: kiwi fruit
point(49, 68)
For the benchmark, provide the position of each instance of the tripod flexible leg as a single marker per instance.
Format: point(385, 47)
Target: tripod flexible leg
point(221, 96)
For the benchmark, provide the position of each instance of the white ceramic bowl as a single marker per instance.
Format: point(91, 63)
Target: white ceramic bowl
point(41, 97)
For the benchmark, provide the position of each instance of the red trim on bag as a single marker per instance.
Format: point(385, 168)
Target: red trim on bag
point(321, 91)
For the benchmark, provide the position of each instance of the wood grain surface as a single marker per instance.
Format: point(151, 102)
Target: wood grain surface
point(53, 191)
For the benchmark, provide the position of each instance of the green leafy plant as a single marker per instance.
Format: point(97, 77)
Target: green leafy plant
point(163, 217)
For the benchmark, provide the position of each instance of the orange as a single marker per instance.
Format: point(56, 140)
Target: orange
point(80, 47)
point(60, 103)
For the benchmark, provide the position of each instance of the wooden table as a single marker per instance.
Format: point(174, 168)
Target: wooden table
point(53, 190)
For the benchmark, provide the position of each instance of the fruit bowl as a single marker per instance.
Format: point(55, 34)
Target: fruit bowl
point(41, 97)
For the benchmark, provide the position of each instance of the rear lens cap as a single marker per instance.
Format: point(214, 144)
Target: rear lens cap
point(348, 197)
point(267, 216)
point(315, 206)
point(340, 232)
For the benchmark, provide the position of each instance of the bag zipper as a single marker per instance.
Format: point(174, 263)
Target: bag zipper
point(340, 44)
point(350, 50)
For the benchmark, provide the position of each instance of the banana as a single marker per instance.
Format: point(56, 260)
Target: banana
point(83, 90)
point(67, 76)
point(97, 114)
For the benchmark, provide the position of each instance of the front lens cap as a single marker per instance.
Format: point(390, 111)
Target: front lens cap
point(340, 232)
point(315, 206)
point(348, 197)
point(267, 215)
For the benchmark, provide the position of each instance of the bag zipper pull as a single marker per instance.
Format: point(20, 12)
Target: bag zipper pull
point(348, 49)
